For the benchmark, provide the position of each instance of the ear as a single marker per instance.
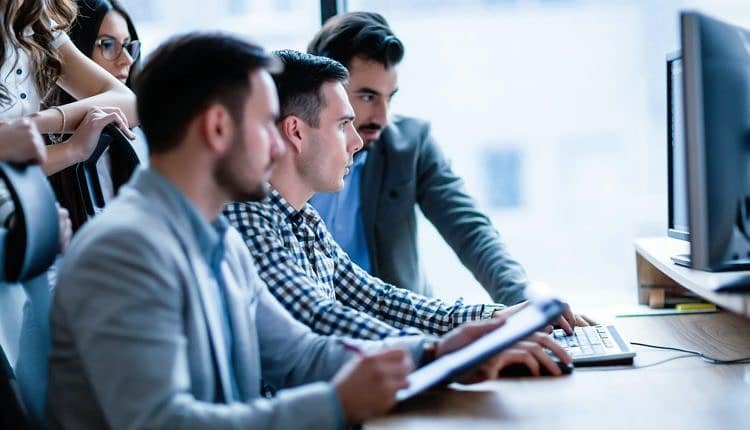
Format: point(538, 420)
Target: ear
point(292, 130)
point(217, 128)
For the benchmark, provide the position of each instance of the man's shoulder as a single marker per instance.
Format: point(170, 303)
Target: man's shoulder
point(404, 135)
point(126, 246)
point(408, 126)
point(126, 222)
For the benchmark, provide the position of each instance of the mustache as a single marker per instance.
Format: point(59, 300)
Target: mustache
point(370, 127)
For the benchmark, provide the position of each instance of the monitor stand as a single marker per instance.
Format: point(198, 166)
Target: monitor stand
point(681, 259)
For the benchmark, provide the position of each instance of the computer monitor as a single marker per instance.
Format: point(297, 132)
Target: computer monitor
point(677, 219)
point(716, 90)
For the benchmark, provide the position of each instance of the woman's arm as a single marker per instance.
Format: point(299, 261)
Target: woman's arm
point(92, 86)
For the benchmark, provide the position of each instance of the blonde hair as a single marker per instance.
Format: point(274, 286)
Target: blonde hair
point(45, 18)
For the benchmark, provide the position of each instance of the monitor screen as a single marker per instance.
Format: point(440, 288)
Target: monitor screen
point(677, 221)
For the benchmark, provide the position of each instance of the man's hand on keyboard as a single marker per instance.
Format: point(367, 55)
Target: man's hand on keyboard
point(568, 320)
point(531, 352)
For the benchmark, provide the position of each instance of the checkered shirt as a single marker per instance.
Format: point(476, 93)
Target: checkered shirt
point(315, 280)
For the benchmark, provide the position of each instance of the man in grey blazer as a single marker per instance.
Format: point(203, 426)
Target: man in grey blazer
point(160, 320)
point(401, 168)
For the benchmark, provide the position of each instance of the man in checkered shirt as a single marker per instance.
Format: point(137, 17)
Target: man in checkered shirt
point(298, 259)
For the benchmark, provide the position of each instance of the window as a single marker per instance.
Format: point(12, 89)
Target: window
point(275, 24)
point(578, 87)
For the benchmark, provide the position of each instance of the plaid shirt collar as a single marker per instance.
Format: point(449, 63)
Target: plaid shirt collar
point(292, 215)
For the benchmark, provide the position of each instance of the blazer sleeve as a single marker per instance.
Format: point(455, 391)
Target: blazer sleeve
point(121, 299)
point(443, 200)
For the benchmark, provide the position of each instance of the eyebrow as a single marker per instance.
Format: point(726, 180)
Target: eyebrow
point(345, 118)
point(110, 36)
point(367, 90)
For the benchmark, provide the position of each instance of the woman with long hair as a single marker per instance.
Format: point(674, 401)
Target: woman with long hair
point(37, 55)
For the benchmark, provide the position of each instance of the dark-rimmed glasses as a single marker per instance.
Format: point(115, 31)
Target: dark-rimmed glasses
point(111, 49)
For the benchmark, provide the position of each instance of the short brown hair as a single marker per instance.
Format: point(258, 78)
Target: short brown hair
point(188, 73)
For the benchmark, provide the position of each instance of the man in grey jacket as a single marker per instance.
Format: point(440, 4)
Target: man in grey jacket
point(401, 168)
point(160, 320)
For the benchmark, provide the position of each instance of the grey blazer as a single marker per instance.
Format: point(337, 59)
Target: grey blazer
point(132, 335)
point(405, 168)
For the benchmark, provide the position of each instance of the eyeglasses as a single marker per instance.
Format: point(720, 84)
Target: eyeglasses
point(111, 49)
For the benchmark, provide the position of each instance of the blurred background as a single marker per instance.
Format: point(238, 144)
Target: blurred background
point(553, 111)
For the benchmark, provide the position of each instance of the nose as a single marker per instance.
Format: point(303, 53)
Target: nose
point(354, 142)
point(380, 112)
point(124, 60)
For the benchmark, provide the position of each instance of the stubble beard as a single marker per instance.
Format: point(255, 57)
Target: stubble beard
point(229, 174)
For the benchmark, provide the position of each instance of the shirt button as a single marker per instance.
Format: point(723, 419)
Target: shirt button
point(23, 96)
point(19, 71)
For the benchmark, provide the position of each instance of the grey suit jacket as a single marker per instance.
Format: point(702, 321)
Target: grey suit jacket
point(132, 332)
point(405, 169)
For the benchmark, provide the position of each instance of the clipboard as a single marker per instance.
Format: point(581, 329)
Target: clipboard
point(520, 325)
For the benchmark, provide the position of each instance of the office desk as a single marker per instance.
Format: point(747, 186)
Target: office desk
point(686, 393)
point(659, 279)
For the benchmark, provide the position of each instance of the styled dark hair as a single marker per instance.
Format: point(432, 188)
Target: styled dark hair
point(364, 34)
point(39, 16)
point(299, 85)
point(188, 73)
point(83, 33)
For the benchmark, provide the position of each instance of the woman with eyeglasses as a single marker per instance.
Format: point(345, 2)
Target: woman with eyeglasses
point(104, 32)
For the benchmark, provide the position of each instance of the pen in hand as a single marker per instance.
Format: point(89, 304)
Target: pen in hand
point(350, 348)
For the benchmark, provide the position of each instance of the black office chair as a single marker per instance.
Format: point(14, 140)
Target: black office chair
point(27, 249)
point(124, 162)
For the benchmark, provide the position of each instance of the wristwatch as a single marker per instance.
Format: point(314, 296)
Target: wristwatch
point(429, 352)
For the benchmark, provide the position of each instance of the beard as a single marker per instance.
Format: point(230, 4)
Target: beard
point(230, 172)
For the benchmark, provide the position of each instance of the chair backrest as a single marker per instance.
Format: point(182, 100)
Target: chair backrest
point(32, 242)
point(27, 249)
point(124, 162)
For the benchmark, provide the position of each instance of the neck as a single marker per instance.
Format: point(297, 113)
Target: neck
point(287, 181)
point(194, 179)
